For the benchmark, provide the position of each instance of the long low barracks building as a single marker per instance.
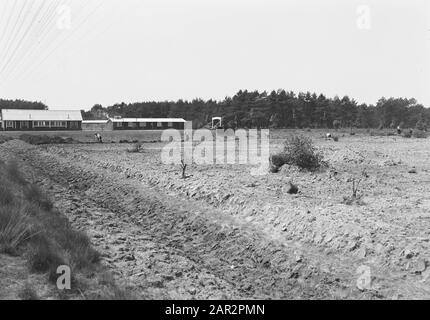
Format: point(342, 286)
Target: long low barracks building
point(40, 120)
point(58, 120)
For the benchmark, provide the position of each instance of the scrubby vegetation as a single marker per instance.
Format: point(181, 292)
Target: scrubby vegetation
point(31, 227)
point(299, 151)
point(44, 139)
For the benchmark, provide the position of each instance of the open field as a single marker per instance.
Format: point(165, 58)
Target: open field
point(88, 136)
point(223, 233)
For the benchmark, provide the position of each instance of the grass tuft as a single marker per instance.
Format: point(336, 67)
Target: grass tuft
point(14, 228)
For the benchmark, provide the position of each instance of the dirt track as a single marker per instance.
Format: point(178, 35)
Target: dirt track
point(169, 241)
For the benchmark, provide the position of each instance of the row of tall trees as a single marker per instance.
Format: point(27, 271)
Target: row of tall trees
point(280, 109)
point(21, 104)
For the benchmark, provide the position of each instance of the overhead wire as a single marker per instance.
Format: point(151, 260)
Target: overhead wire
point(15, 31)
point(39, 44)
point(8, 21)
point(43, 31)
point(24, 36)
point(30, 71)
point(91, 35)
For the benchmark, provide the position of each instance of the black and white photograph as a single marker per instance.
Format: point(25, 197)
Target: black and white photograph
point(233, 151)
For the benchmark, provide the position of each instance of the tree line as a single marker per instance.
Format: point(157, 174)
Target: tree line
point(21, 104)
point(279, 109)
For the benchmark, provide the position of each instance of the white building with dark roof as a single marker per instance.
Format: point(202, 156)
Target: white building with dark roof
point(118, 123)
point(40, 120)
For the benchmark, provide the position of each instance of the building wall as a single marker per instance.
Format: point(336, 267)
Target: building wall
point(30, 126)
point(147, 126)
point(97, 126)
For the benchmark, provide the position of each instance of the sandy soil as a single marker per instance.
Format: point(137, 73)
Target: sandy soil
point(223, 233)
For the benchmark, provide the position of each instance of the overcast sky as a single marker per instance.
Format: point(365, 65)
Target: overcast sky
point(139, 50)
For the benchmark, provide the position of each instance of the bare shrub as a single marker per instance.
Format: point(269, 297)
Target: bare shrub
point(183, 168)
point(355, 197)
point(301, 152)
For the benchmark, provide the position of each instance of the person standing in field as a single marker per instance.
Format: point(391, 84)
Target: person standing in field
point(98, 137)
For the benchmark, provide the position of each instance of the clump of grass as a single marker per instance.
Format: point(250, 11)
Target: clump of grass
point(44, 256)
point(30, 226)
point(14, 228)
point(301, 152)
point(81, 254)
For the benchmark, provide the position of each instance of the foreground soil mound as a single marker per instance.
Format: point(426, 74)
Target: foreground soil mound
point(168, 247)
point(250, 228)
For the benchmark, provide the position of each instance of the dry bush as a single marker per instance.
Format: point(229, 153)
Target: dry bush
point(355, 197)
point(301, 152)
